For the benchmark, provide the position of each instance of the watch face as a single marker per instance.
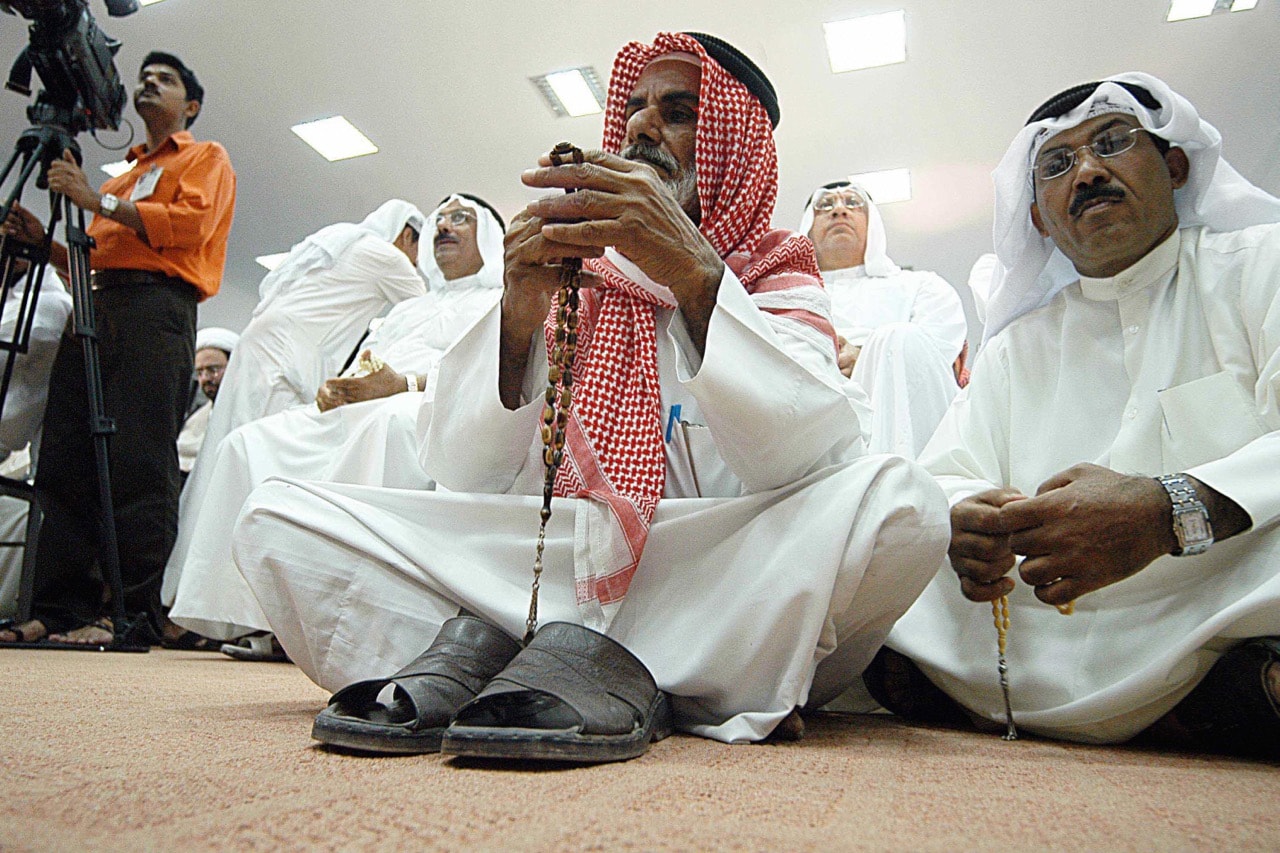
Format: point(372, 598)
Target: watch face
point(1194, 528)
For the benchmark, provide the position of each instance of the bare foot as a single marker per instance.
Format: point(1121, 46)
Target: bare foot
point(27, 632)
point(99, 633)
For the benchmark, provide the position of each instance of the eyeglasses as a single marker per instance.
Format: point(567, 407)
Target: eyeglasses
point(1056, 162)
point(456, 217)
point(213, 370)
point(826, 202)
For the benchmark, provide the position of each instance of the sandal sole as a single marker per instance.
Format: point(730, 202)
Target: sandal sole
point(368, 737)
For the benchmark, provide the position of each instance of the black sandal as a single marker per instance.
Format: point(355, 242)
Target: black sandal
point(571, 695)
point(463, 657)
point(22, 641)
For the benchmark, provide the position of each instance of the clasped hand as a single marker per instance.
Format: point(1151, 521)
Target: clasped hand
point(1087, 527)
point(619, 203)
point(383, 382)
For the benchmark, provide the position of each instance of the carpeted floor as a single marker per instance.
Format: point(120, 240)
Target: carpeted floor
point(193, 751)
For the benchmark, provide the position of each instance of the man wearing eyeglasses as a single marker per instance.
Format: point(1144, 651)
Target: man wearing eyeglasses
point(363, 428)
point(213, 350)
point(899, 330)
point(1119, 444)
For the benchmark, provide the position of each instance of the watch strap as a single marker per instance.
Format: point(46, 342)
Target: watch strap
point(1182, 494)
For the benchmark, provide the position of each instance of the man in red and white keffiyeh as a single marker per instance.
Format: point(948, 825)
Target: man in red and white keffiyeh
point(716, 513)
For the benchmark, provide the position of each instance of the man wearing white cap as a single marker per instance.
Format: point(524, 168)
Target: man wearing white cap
point(1120, 440)
point(213, 350)
point(363, 428)
point(900, 331)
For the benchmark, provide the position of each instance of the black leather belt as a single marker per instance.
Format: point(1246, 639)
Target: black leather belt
point(104, 279)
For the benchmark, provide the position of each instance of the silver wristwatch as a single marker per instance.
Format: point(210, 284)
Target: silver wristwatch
point(1190, 517)
point(108, 204)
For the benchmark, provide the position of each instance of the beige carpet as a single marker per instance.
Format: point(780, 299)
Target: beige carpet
point(192, 751)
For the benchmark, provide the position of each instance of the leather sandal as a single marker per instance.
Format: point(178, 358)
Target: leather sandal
point(571, 695)
point(460, 661)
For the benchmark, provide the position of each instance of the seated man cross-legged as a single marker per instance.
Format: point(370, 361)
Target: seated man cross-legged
point(1118, 443)
point(362, 429)
point(720, 550)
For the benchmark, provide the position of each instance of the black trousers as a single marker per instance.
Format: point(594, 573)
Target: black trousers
point(146, 335)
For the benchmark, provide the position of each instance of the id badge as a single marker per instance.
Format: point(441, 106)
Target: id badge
point(146, 185)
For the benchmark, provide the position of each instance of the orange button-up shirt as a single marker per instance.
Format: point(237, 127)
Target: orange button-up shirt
point(187, 215)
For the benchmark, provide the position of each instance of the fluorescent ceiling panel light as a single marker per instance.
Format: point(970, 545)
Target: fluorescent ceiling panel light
point(1182, 10)
point(148, 2)
point(272, 261)
point(575, 92)
point(867, 41)
point(1243, 5)
point(335, 138)
point(119, 167)
point(885, 187)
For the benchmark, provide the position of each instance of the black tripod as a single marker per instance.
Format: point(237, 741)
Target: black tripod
point(38, 146)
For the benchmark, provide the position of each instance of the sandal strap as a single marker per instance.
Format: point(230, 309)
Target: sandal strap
point(603, 683)
point(464, 656)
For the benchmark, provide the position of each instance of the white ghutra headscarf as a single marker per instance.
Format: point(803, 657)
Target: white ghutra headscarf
point(876, 260)
point(489, 234)
point(1031, 270)
point(322, 249)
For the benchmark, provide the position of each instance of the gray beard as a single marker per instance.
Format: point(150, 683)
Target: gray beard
point(683, 183)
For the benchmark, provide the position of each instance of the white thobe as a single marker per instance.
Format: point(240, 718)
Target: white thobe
point(373, 443)
point(802, 561)
point(911, 327)
point(192, 436)
point(287, 351)
point(29, 384)
point(1171, 366)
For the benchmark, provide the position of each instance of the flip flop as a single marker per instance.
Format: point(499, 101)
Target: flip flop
point(460, 661)
point(571, 695)
point(22, 641)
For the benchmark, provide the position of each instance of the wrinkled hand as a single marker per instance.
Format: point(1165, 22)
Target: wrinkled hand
point(531, 274)
point(980, 551)
point(342, 390)
point(1086, 528)
point(625, 204)
point(847, 356)
point(23, 225)
point(66, 177)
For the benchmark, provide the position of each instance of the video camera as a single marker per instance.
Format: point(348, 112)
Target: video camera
point(75, 61)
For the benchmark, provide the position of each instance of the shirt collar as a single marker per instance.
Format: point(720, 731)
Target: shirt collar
point(177, 141)
point(1152, 267)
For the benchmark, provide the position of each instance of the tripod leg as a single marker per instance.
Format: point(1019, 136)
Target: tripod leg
point(101, 427)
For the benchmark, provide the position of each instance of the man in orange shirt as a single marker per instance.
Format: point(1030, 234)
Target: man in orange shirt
point(161, 239)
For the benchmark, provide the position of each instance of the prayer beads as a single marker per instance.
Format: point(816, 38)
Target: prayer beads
point(1000, 613)
point(559, 394)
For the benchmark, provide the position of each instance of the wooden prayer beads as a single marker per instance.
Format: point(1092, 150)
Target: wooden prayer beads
point(559, 393)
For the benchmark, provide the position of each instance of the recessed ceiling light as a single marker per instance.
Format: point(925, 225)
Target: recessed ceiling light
point(575, 92)
point(335, 138)
point(885, 187)
point(1243, 5)
point(1181, 10)
point(148, 2)
point(272, 261)
point(867, 41)
point(119, 167)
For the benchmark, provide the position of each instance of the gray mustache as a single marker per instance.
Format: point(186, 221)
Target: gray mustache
point(653, 155)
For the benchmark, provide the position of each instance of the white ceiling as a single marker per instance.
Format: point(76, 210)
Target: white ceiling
point(442, 89)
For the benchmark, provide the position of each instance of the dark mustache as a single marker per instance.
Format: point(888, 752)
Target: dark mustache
point(1090, 192)
point(442, 236)
point(653, 155)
